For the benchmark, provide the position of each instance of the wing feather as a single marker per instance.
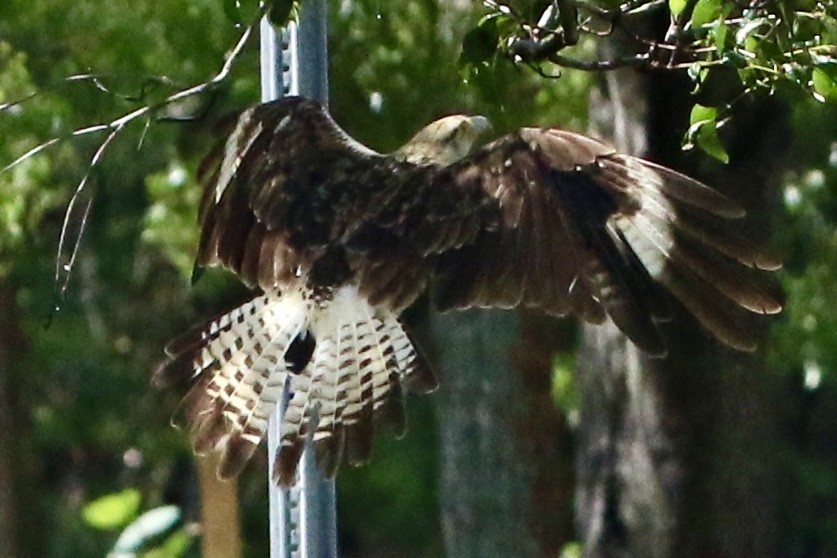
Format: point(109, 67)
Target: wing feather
point(586, 230)
point(543, 218)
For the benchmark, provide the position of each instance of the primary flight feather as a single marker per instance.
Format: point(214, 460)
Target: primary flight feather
point(340, 239)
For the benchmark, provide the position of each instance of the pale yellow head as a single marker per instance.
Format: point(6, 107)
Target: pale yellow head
point(445, 141)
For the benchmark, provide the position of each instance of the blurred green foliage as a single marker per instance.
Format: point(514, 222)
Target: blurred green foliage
point(769, 46)
point(113, 510)
point(93, 429)
point(807, 230)
point(90, 426)
point(804, 350)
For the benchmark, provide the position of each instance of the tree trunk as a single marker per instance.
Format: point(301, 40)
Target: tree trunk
point(484, 484)
point(8, 520)
point(505, 485)
point(738, 403)
point(626, 477)
point(220, 524)
point(668, 451)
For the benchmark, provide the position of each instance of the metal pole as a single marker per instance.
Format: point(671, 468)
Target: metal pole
point(303, 519)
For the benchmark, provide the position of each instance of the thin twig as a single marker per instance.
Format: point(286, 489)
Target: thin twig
point(63, 268)
point(98, 83)
point(10, 104)
point(64, 265)
point(599, 65)
point(568, 18)
point(672, 35)
point(144, 110)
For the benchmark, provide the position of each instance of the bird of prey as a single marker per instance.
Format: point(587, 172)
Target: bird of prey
point(340, 239)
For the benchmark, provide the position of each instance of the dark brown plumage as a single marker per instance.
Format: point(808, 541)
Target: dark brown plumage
point(341, 239)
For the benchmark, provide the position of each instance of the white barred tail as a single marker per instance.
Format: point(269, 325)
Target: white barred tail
point(342, 362)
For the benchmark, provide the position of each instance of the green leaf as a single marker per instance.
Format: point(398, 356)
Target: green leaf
point(751, 43)
point(480, 43)
point(701, 114)
point(147, 529)
point(748, 29)
point(719, 35)
point(824, 80)
point(676, 7)
point(280, 11)
point(241, 11)
point(114, 510)
point(710, 142)
point(571, 550)
point(698, 74)
point(735, 59)
point(232, 11)
point(703, 132)
point(705, 11)
point(177, 544)
point(565, 392)
point(788, 14)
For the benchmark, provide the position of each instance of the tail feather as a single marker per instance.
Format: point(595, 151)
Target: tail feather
point(388, 401)
point(414, 372)
point(236, 365)
point(358, 426)
point(255, 380)
point(346, 404)
point(325, 355)
point(369, 365)
point(186, 353)
point(293, 430)
point(215, 353)
point(261, 374)
point(239, 365)
point(349, 367)
point(328, 438)
point(393, 413)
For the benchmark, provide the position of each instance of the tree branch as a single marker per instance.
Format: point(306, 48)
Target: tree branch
point(78, 211)
point(600, 65)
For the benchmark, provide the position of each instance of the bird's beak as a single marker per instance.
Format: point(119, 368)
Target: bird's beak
point(480, 125)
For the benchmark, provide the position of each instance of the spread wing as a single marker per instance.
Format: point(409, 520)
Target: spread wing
point(588, 231)
point(289, 195)
point(542, 218)
point(262, 214)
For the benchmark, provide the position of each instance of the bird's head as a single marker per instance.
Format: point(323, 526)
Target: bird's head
point(445, 141)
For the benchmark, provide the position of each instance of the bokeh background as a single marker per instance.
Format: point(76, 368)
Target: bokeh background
point(86, 445)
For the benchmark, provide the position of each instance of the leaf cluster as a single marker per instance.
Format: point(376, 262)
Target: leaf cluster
point(768, 45)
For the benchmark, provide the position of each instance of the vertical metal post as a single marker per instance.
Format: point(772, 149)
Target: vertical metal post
point(303, 519)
